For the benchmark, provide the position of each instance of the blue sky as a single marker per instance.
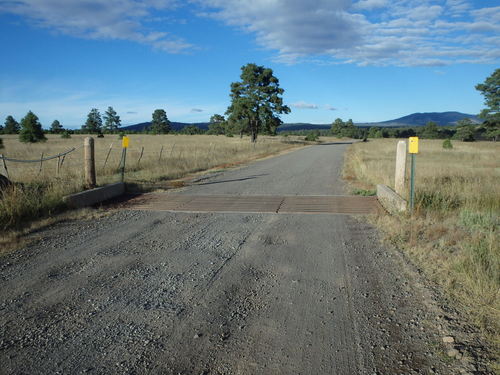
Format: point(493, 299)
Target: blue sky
point(369, 60)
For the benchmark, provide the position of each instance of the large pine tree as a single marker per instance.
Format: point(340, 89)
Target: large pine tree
point(490, 89)
point(256, 101)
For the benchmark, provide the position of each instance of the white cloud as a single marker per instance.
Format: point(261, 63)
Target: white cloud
point(330, 107)
point(99, 19)
point(363, 32)
point(293, 27)
point(366, 32)
point(369, 4)
point(196, 110)
point(304, 105)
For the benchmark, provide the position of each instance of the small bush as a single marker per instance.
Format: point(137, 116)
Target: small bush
point(447, 144)
point(100, 135)
point(65, 134)
point(311, 137)
point(1, 143)
point(230, 135)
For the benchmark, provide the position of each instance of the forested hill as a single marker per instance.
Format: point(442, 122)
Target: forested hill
point(415, 119)
point(420, 119)
point(175, 125)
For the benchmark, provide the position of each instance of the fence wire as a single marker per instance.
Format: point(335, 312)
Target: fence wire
point(42, 159)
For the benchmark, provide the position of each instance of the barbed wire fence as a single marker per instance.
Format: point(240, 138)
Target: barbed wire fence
point(69, 163)
point(60, 160)
point(108, 162)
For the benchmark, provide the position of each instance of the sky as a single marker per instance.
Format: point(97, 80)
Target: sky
point(368, 60)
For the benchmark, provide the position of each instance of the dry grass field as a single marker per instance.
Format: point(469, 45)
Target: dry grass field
point(454, 233)
point(164, 157)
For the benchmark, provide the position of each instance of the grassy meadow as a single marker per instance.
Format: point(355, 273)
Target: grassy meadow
point(164, 157)
point(454, 234)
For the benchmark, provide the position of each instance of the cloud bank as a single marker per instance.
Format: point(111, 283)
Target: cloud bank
point(304, 105)
point(361, 32)
point(100, 19)
point(369, 32)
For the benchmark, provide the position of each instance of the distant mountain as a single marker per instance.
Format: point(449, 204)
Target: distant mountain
point(415, 119)
point(175, 125)
point(420, 119)
point(303, 126)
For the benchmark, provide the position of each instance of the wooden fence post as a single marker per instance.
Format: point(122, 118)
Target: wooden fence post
point(107, 155)
point(89, 162)
point(5, 166)
point(400, 176)
point(161, 151)
point(140, 156)
point(41, 164)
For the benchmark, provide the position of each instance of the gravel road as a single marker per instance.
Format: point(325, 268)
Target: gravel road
point(184, 293)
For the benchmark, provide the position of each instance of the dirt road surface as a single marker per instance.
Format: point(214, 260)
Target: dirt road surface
point(140, 292)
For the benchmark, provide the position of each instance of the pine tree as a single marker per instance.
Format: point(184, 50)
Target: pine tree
point(56, 127)
point(217, 125)
point(490, 89)
point(256, 101)
point(111, 120)
point(465, 131)
point(94, 122)
point(337, 126)
point(430, 130)
point(160, 123)
point(11, 126)
point(31, 129)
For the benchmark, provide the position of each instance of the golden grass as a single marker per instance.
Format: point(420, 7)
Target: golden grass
point(164, 157)
point(453, 235)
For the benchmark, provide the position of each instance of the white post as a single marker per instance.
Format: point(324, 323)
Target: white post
point(399, 184)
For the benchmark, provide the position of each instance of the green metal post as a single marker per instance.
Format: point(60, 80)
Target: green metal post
point(412, 183)
point(124, 156)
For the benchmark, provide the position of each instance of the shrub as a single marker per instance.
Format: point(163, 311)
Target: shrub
point(447, 144)
point(311, 137)
point(230, 135)
point(65, 134)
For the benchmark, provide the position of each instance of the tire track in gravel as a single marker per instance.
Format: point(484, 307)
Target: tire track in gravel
point(179, 293)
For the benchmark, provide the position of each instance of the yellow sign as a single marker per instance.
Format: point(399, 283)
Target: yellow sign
point(125, 142)
point(413, 145)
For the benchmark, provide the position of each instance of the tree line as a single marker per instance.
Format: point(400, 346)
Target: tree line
point(465, 130)
point(257, 103)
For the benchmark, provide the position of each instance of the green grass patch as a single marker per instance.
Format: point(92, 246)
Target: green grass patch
point(364, 192)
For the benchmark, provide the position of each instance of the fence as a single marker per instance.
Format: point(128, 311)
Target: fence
point(60, 161)
point(150, 158)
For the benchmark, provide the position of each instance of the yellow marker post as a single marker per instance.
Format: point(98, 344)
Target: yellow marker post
point(413, 150)
point(124, 156)
point(413, 145)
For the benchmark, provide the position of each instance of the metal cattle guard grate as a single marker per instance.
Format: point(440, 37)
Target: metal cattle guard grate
point(255, 203)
